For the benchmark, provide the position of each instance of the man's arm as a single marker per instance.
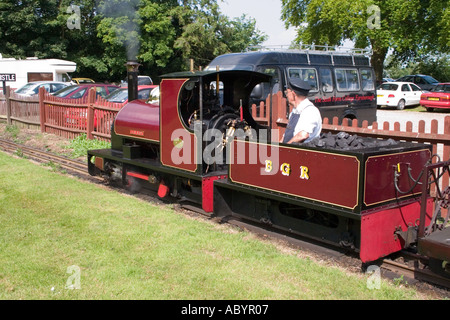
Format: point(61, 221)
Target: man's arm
point(299, 137)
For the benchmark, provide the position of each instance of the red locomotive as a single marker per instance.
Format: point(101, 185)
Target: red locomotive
point(201, 145)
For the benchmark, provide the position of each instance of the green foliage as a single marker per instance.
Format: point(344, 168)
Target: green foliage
point(12, 131)
point(28, 28)
point(437, 66)
point(81, 145)
point(161, 35)
point(411, 29)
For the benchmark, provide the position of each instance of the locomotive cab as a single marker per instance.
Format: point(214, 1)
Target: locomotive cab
point(210, 110)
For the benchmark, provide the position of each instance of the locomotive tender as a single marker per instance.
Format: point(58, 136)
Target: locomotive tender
point(201, 145)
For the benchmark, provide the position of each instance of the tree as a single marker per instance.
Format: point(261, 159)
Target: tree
point(211, 34)
point(100, 36)
point(411, 29)
point(436, 66)
point(170, 33)
point(29, 28)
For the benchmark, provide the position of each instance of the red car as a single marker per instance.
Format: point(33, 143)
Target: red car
point(121, 95)
point(76, 117)
point(81, 91)
point(438, 97)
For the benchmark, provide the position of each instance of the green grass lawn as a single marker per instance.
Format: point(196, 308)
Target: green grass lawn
point(124, 248)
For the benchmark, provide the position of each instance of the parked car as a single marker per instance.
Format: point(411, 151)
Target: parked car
point(142, 81)
point(81, 91)
point(398, 94)
point(32, 88)
point(384, 80)
point(77, 117)
point(121, 95)
point(82, 80)
point(438, 97)
point(426, 83)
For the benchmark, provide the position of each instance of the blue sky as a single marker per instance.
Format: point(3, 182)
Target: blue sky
point(267, 14)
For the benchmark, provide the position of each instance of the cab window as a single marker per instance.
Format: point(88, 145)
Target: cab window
point(308, 75)
point(347, 79)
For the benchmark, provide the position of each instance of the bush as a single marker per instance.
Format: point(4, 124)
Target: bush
point(80, 145)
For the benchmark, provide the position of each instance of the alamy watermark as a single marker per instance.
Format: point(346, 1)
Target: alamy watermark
point(374, 280)
point(74, 21)
point(257, 150)
point(374, 20)
point(74, 280)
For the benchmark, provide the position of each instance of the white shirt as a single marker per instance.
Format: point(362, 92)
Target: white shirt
point(310, 119)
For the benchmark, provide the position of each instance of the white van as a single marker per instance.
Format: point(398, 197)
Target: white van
point(33, 69)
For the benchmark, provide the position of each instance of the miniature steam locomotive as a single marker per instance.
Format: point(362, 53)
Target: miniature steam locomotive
point(201, 145)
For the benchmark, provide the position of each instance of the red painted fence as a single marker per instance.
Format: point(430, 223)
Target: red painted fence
point(64, 117)
point(71, 117)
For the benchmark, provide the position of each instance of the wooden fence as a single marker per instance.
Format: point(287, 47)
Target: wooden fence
point(3, 108)
point(94, 116)
point(71, 117)
point(278, 119)
point(19, 108)
point(64, 117)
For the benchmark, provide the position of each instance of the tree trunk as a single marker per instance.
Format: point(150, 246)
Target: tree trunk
point(377, 61)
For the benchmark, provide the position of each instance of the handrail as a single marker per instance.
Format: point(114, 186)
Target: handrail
point(312, 48)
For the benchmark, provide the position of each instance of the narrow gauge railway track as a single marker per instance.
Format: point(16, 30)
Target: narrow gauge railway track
point(412, 267)
point(73, 166)
point(406, 264)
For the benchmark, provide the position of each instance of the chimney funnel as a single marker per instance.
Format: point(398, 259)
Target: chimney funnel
point(132, 79)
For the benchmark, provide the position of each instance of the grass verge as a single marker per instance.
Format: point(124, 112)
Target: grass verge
point(57, 233)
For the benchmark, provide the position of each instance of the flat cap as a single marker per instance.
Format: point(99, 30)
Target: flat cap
point(299, 86)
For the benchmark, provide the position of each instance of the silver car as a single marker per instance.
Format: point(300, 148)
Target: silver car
point(32, 88)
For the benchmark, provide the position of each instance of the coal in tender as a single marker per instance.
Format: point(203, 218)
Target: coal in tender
point(345, 142)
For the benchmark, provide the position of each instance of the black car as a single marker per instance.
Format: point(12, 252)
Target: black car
point(424, 82)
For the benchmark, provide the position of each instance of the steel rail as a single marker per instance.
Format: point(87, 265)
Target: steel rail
point(415, 272)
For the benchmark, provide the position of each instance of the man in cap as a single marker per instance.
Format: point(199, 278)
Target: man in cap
point(305, 121)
